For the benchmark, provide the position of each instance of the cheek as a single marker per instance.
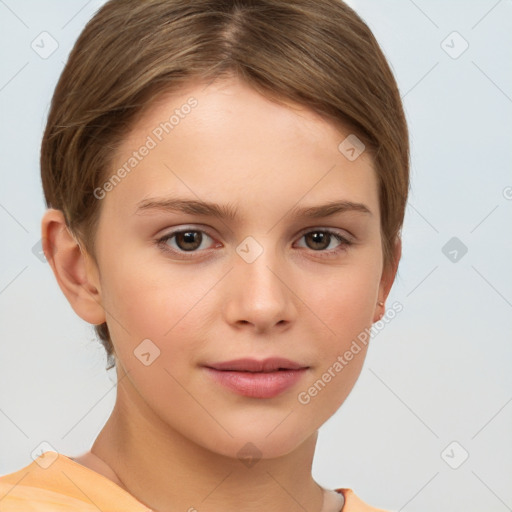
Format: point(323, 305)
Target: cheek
point(343, 308)
point(155, 302)
point(343, 301)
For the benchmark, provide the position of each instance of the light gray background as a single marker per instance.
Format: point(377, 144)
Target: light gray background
point(439, 372)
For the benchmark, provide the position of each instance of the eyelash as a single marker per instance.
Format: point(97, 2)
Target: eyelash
point(344, 242)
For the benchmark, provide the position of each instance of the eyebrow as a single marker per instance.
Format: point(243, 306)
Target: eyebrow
point(229, 212)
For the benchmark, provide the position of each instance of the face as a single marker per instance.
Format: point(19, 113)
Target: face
point(184, 289)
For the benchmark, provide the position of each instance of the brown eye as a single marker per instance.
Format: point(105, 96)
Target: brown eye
point(317, 240)
point(320, 240)
point(189, 240)
point(186, 240)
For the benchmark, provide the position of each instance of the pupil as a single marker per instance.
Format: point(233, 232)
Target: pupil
point(186, 238)
point(320, 238)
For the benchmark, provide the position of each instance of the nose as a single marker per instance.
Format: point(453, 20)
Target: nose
point(259, 295)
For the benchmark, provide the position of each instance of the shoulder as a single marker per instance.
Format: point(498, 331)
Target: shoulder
point(355, 504)
point(55, 483)
point(37, 488)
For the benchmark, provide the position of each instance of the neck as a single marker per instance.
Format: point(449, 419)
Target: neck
point(167, 471)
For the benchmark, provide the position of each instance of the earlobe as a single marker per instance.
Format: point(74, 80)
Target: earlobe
point(387, 280)
point(73, 268)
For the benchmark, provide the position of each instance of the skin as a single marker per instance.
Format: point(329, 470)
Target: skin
point(174, 434)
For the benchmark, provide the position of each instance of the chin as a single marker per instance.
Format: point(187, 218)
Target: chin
point(252, 444)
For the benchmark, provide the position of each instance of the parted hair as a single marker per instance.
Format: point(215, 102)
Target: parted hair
point(318, 53)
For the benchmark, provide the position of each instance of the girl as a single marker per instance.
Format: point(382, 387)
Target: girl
point(226, 183)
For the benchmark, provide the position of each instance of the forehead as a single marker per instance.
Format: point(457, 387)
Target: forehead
point(227, 142)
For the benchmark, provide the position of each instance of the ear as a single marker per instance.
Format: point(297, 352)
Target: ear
point(74, 269)
point(387, 279)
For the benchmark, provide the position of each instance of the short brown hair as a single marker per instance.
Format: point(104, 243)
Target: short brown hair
point(317, 53)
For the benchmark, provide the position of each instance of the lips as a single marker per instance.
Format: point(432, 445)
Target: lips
point(271, 364)
point(267, 378)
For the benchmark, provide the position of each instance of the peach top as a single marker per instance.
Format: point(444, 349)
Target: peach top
point(54, 482)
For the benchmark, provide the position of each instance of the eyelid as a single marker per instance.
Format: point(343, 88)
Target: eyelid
point(344, 240)
point(198, 227)
point(338, 231)
point(198, 255)
point(185, 227)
